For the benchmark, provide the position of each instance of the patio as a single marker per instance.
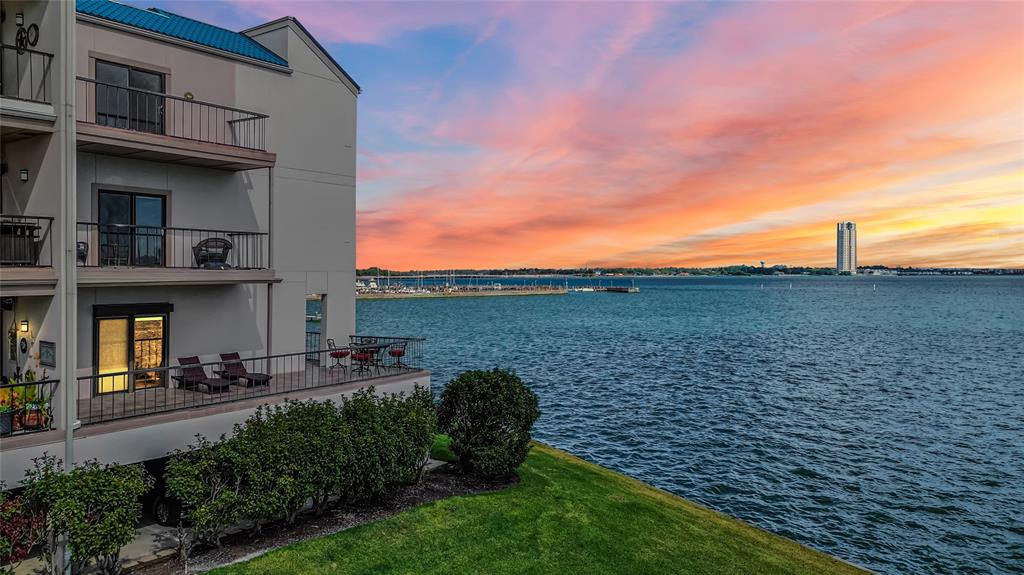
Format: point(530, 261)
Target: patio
point(186, 388)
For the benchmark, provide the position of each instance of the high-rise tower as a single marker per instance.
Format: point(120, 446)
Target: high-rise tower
point(846, 247)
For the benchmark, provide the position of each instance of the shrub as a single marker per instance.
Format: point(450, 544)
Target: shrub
point(44, 485)
point(284, 456)
point(413, 420)
point(19, 530)
point(488, 416)
point(370, 446)
point(209, 488)
point(95, 506)
point(290, 454)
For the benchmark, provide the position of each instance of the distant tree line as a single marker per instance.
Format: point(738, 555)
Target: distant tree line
point(734, 270)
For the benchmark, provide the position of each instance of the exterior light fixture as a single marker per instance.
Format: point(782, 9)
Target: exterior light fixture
point(23, 326)
point(23, 174)
point(19, 19)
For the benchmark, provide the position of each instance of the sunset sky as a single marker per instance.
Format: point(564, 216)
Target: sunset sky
point(598, 134)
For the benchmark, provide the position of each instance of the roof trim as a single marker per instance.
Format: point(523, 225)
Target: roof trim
point(180, 42)
point(313, 45)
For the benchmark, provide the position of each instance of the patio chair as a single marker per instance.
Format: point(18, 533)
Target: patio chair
point(193, 375)
point(235, 372)
point(338, 354)
point(212, 253)
point(397, 352)
point(82, 252)
point(365, 360)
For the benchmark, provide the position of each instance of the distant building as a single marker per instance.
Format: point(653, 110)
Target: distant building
point(846, 247)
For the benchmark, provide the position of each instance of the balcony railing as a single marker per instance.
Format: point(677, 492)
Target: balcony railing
point(122, 245)
point(25, 407)
point(25, 241)
point(25, 74)
point(112, 396)
point(158, 113)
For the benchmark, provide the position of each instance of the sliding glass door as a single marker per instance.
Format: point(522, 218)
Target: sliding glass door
point(131, 227)
point(131, 344)
point(129, 98)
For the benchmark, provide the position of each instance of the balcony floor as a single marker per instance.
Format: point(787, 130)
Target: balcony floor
point(116, 406)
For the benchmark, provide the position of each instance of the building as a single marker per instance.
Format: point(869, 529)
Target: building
point(171, 191)
point(846, 247)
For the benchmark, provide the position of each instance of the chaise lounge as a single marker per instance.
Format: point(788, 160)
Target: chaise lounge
point(193, 375)
point(235, 372)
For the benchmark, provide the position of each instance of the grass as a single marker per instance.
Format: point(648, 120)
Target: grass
point(566, 516)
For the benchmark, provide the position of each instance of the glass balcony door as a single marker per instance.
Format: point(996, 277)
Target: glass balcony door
point(134, 343)
point(131, 229)
point(129, 98)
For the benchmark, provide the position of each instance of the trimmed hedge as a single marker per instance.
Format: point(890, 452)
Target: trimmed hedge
point(488, 416)
point(286, 456)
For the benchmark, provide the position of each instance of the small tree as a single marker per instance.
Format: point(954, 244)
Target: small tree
point(101, 512)
point(488, 416)
point(44, 485)
point(95, 506)
point(209, 488)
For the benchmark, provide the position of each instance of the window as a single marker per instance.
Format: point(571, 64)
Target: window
point(132, 339)
point(131, 227)
point(129, 98)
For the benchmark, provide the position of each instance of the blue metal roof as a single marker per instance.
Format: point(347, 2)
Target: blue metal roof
point(175, 26)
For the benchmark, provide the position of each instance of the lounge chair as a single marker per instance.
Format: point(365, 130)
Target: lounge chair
point(235, 372)
point(193, 375)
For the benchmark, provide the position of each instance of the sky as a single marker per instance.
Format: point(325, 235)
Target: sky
point(602, 134)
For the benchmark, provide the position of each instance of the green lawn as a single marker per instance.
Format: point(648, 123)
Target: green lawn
point(565, 517)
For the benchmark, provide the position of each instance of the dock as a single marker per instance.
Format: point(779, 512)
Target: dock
point(611, 289)
point(458, 293)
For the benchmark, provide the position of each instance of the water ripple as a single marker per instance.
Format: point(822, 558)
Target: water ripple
point(885, 427)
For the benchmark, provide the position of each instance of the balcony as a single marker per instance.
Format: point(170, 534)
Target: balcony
point(26, 98)
point(26, 255)
point(121, 121)
point(246, 382)
point(122, 254)
point(26, 406)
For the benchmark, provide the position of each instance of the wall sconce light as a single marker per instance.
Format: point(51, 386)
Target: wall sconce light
point(23, 174)
point(19, 19)
point(23, 326)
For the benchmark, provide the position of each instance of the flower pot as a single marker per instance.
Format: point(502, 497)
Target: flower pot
point(32, 418)
point(6, 422)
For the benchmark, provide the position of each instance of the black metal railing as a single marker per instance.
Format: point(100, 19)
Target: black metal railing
point(25, 74)
point(122, 245)
point(158, 113)
point(25, 407)
point(25, 241)
point(313, 346)
point(112, 396)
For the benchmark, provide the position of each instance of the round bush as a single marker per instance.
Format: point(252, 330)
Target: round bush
point(488, 416)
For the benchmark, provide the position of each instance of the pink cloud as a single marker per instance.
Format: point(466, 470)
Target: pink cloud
point(771, 106)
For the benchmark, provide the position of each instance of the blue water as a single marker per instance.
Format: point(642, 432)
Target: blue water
point(884, 425)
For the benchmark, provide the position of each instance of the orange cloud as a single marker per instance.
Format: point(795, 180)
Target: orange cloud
point(738, 136)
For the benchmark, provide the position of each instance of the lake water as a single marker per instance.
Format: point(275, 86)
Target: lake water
point(877, 419)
